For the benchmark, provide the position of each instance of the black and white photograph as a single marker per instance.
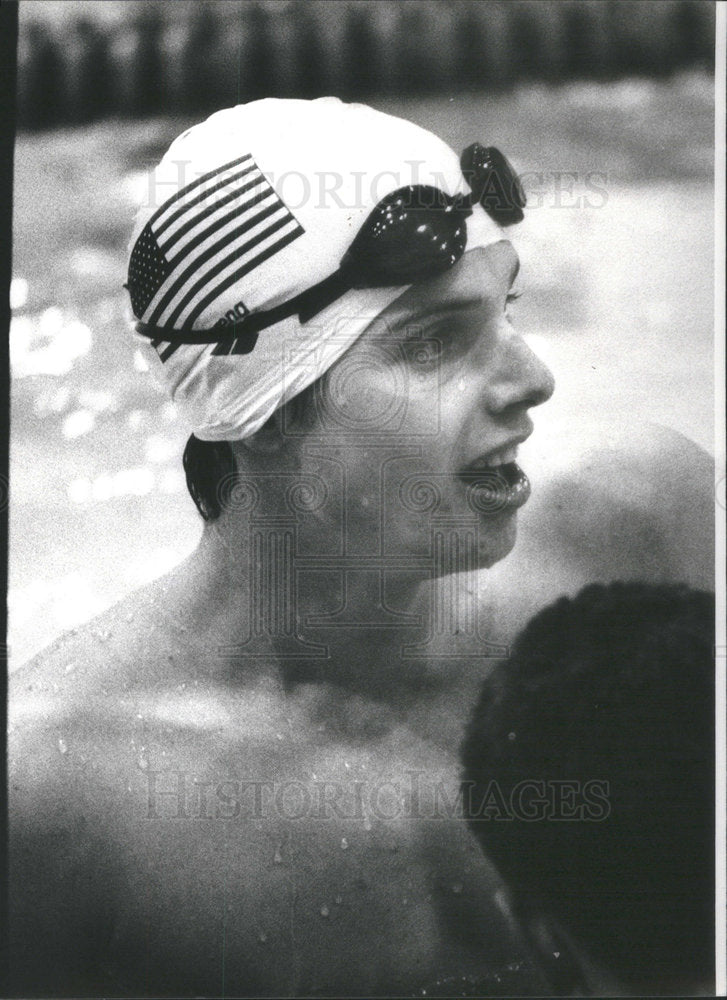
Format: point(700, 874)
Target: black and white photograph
point(364, 495)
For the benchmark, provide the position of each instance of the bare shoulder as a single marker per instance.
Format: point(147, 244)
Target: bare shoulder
point(58, 842)
point(608, 503)
point(76, 744)
point(628, 502)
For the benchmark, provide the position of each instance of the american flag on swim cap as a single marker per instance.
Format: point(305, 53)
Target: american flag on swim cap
point(203, 240)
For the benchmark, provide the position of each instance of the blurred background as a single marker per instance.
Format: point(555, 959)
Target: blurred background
point(605, 107)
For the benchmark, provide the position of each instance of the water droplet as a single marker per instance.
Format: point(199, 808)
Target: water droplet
point(262, 937)
point(277, 857)
point(130, 616)
point(279, 736)
point(347, 765)
point(367, 824)
point(457, 888)
point(344, 844)
point(556, 954)
point(70, 667)
point(324, 911)
point(512, 736)
point(405, 900)
point(338, 900)
point(62, 746)
point(142, 759)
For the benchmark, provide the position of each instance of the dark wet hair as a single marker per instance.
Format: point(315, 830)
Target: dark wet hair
point(206, 465)
point(616, 685)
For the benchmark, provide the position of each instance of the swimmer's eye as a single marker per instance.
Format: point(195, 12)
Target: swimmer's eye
point(509, 299)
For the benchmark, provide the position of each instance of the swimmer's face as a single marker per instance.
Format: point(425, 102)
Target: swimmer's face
point(424, 413)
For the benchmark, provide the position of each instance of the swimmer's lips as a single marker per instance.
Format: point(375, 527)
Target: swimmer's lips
point(496, 488)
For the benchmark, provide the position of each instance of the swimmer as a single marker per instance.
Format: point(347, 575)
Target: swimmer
point(219, 785)
point(589, 781)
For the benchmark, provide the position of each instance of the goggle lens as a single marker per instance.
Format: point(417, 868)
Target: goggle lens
point(415, 232)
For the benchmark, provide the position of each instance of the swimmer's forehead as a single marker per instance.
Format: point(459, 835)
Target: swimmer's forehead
point(483, 274)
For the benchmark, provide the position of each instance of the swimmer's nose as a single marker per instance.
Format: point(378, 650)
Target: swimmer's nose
point(521, 379)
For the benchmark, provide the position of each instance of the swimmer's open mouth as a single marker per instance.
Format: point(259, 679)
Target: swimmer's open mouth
point(492, 488)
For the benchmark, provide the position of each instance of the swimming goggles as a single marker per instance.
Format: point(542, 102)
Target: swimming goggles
point(414, 234)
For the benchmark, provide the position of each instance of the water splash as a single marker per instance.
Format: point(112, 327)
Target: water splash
point(62, 745)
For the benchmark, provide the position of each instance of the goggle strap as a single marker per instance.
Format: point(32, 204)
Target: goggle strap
point(307, 305)
point(314, 300)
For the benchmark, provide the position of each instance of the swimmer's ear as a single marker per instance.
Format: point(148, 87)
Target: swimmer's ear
point(268, 439)
point(286, 425)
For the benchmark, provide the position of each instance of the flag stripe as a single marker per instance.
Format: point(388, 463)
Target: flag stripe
point(211, 246)
point(209, 236)
point(230, 260)
point(197, 266)
point(193, 185)
point(162, 226)
point(217, 214)
point(239, 273)
point(168, 351)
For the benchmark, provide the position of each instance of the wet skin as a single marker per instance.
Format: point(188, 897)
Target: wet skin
point(446, 371)
point(119, 888)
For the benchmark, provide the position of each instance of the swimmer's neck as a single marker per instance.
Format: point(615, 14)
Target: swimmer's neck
point(346, 654)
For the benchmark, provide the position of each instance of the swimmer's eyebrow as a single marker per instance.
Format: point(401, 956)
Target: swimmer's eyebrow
point(454, 305)
point(440, 309)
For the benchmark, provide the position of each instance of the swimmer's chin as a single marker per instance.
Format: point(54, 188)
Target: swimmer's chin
point(497, 540)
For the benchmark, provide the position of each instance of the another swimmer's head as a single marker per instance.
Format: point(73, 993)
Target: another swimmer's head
point(333, 255)
point(589, 781)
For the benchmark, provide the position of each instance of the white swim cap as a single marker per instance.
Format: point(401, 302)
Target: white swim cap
point(250, 208)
